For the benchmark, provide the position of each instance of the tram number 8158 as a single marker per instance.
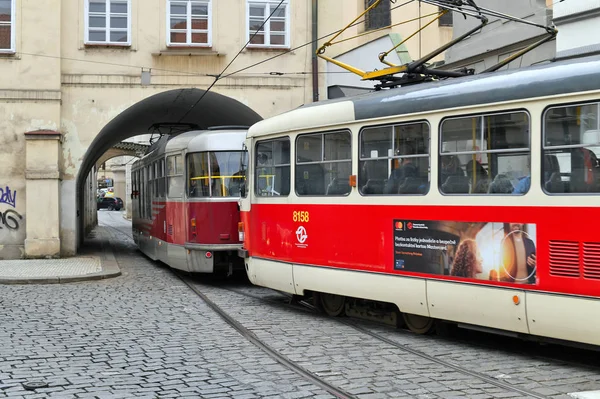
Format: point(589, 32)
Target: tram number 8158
point(300, 216)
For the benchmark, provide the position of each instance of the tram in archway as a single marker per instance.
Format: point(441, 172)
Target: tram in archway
point(185, 194)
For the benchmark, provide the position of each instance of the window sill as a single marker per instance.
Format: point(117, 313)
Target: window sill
point(267, 48)
point(124, 46)
point(190, 51)
point(8, 54)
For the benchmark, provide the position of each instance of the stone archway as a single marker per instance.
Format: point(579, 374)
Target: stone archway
point(179, 106)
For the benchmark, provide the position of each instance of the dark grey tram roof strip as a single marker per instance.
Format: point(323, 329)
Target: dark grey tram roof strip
point(515, 84)
point(560, 77)
point(335, 391)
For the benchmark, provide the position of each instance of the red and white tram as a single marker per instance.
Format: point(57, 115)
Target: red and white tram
point(185, 200)
point(473, 200)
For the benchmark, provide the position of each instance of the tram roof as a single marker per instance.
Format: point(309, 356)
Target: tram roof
point(560, 77)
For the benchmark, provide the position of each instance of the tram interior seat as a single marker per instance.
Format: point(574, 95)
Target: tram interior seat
point(410, 185)
point(501, 185)
point(338, 186)
point(456, 185)
point(234, 188)
point(482, 186)
point(584, 164)
point(374, 186)
point(310, 180)
point(554, 184)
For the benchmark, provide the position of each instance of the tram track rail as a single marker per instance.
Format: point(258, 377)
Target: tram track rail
point(128, 234)
point(305, 306)
point(275, 355)
point(463, 370)
point(520, 344)
point(251, 337)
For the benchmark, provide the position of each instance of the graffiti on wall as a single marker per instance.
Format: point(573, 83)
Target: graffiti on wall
point(8, 196)
point(12, 225)
point(10, 219)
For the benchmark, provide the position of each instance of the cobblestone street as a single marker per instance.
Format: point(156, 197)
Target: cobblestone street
point(147, 334)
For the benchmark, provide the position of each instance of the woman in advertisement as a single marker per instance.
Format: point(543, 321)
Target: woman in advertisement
point(467, 261)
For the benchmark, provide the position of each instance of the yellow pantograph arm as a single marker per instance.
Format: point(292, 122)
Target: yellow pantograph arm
point(385, 54)
point(347, 67)
point(374, 74)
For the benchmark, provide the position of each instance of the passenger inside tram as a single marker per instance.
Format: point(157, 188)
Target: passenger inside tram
point(571, 149)
point(394, 159)
point(484, 154)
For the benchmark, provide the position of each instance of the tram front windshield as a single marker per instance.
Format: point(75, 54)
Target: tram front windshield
point(216, 173)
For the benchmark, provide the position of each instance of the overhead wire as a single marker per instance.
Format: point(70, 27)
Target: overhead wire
point(218, 77)
point(109, 63)
point(184, 73)
point(193, 74)
point(142, 67)
point(239, 71)
point(308, 43)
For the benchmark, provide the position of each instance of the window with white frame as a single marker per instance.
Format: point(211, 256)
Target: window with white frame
point(189, 23)
point(108, 22)
point(276, 31)
point(7, 26)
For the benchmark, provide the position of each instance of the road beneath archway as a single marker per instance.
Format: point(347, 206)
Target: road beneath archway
point(194, 108)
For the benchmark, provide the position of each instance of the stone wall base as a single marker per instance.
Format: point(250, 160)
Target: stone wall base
point(42, 248)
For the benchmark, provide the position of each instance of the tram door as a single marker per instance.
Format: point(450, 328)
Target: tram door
point(246, 194)
point(245, 201)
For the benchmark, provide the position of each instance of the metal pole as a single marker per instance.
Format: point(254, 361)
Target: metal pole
point(315, 60)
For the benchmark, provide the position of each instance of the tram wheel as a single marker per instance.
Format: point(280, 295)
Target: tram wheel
point(418, 324)
point(333, 305)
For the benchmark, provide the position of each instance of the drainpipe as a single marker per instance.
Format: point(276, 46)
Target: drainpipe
point(315, 60)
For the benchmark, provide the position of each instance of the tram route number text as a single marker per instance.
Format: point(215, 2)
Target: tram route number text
point(301, 216)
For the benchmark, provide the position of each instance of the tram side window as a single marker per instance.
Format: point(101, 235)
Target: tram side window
point(157, 178)
point(272, 171)
point(216, 173)
point(133, 183)
point(323, 163)
point(175, 181)
point(394, 159)
point(148, 199)
point(154, 180)
point(144, 183)
point(161, 178)
point(485, 154)
point(571, 149)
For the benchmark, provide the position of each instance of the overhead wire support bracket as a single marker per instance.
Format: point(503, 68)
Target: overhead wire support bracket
point(413, 67)
point(551, 30)
point(551, 35)
point(321, 50)
point(386, 53)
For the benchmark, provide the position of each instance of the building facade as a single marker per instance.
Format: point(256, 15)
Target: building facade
point(69, 67)
point(382, 29)
point(500, 38)
point(578, 26)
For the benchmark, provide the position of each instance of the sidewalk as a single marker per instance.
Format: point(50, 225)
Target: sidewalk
point(95, 262)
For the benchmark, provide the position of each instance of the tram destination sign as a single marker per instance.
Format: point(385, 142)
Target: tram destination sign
point(496, 251)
